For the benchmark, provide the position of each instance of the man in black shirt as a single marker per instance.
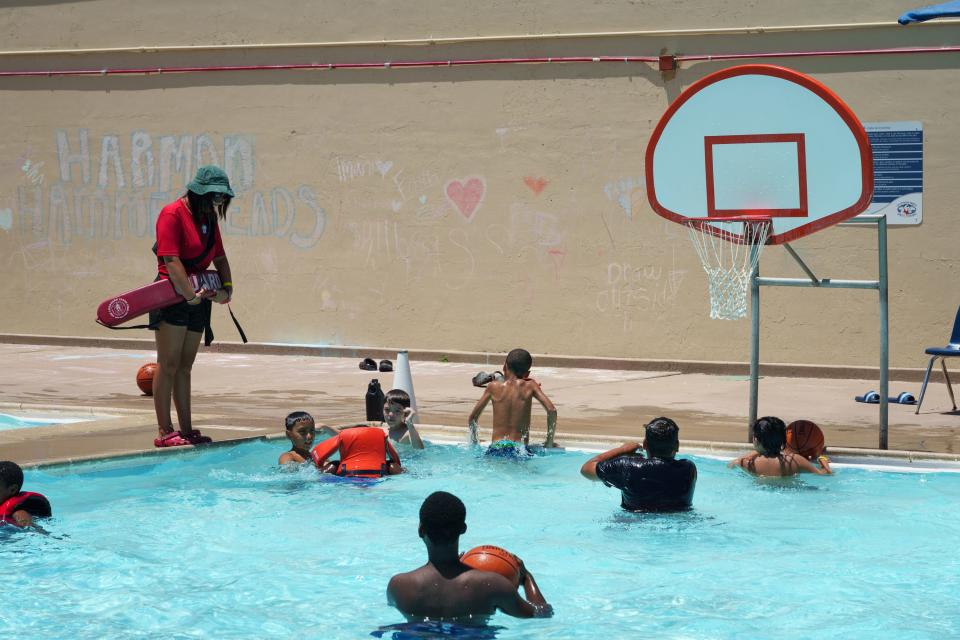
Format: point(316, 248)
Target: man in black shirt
point(657, 482)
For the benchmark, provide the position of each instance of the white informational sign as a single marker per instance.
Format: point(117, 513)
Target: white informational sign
point(897, 171)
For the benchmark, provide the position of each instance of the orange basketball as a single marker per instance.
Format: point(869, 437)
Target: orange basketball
point(145, 377)
point(487, 557)
point(805, 438)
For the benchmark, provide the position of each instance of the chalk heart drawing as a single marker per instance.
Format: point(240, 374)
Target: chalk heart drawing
point(384, 167)
point(423, 199)
point(466, 195)
point(395, 205)
point(6, 219)
point(536, 184)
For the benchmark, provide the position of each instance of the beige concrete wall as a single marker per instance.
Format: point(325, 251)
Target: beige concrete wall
point(353, 225)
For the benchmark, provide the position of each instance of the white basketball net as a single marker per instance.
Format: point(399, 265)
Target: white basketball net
point(729, 252)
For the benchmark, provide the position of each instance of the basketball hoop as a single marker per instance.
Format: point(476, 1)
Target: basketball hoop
point(729, 250)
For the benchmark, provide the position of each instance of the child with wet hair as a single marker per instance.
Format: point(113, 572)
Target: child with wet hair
point(512, 402)
point(398, 414)
point(301, 430)
point(17, 507)
point(770, 459)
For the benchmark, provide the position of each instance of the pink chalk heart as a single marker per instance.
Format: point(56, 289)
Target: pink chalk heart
point(536, 184)
point(466, 196)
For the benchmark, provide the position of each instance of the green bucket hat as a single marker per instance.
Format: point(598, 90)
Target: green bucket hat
point(210, 179)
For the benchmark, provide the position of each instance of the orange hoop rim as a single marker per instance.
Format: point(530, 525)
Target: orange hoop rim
point(755, 217)
point(756, 222)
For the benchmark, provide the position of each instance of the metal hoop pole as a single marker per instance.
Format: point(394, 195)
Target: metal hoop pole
point(884, 330)
point(881, 284)
point(754, 342)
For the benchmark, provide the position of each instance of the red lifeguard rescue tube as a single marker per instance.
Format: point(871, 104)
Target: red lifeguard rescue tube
point(156, 295)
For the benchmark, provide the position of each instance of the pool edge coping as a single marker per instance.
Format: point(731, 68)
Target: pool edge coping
point(74, 408)
point(487, 358)
point(592, 443)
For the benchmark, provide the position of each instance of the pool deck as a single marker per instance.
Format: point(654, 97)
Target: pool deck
point(242, 395)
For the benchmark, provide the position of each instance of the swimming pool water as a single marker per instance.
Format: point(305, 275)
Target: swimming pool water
point(220, 544)
point(9, 421)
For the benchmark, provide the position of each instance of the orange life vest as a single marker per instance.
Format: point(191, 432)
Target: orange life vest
point(364, 452)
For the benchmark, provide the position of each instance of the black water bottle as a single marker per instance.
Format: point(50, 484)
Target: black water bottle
point(375, 400)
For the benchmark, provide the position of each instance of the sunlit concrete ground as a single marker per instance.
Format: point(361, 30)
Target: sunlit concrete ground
point(242, 395)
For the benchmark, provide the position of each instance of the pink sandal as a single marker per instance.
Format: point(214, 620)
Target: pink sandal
point(172, 439)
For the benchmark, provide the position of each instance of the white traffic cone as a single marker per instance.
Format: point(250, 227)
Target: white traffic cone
point(402, 379)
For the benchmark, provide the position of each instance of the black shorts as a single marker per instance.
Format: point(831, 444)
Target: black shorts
point(193, 317)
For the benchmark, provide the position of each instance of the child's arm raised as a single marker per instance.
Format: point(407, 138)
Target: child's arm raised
point(551, 414)
point(472, 424)
point(589, 468)
point(415, 441)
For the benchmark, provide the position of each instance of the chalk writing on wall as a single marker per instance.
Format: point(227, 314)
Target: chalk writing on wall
point(421, 253)
point(33, 171)
point(6, 219)
point(114, 187)
point(631, 288)
point(349, 169)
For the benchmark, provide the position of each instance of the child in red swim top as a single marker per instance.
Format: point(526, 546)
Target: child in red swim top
point(17, 507)
point(365, 452)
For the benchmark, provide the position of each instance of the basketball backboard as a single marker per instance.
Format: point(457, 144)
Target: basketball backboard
point(760, 140)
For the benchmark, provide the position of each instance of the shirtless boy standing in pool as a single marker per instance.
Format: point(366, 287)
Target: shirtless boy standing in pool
point(512, 399)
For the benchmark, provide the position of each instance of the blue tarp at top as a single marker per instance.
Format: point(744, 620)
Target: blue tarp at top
point(944, 10)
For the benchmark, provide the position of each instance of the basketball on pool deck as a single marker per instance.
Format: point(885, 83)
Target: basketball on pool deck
point(805, 438)
point(494, 559)
point(145, 377)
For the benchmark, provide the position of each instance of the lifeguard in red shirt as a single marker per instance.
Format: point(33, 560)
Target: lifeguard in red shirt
point(188, 240)
point(365, 452)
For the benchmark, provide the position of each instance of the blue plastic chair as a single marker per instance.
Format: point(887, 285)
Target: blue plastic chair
point(952, 350)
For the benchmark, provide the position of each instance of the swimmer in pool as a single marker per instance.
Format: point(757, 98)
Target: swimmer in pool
point(770, 458)
point(398, 416)
point(19, 508)
point(301, 430)
point(512, 399)
point(445, 589)
point(657, 482)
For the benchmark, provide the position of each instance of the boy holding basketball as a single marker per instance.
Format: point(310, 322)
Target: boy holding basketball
point(512, 399)
point(445, 588)
point(770, 457)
